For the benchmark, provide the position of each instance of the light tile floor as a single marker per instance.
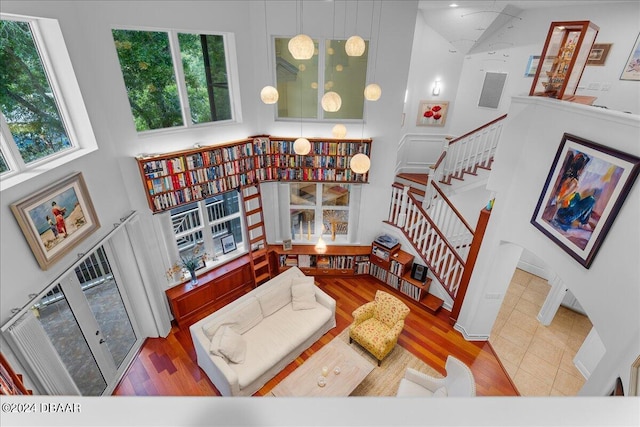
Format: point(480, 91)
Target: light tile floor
point(538, 358)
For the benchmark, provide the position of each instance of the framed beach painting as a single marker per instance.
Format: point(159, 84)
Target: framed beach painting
point(632, 67)
point(56, 219)
point(585, 188)
point(432, 113)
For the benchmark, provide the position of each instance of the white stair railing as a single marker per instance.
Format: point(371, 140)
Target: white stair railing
point(473, 150)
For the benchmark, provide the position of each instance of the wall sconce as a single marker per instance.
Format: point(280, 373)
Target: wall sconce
point(436, 88)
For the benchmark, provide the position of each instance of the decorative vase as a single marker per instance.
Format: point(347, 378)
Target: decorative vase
point(194, 278)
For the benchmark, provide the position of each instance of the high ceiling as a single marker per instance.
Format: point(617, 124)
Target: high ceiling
point(472, 21)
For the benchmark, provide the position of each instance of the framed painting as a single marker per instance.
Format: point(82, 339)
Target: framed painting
point(56, 219)
point(432, 113)
point(228, 243)
point(598, 54)
point(532, 66)
point(585, 188)
point(632, 67)
point(287, 245)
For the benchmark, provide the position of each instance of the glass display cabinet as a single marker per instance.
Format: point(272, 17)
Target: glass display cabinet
point(563, 59)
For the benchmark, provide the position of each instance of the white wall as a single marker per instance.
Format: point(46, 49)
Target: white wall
point(619, 24)
point(608, 290)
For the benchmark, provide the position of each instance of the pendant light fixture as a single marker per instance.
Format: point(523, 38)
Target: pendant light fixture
point(360, 163)
point(268, 94)
point(301, 146)
point(355, 45)
point(373, 91)
point(331, 102)
point(301, 46)
point(339, 131)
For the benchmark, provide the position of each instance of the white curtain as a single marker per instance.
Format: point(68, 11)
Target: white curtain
point(31, 340)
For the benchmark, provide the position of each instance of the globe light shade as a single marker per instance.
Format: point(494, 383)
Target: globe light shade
point(372, 92)
point(354, 46)
point(331, 102)
point(360, 163)
point(301, 47)
point(339, 131)
point(269, 95)
point(301, 146)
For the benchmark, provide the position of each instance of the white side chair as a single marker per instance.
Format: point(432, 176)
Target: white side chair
point(459, 382)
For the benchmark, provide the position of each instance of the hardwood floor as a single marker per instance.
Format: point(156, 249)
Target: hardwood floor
point(167, 366)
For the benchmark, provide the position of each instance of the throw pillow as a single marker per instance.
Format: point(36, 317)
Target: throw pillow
point(232, 345)
point(246, 316)
point(275, 298)
point(214, 346)
point(441, 392)
point(303, 294)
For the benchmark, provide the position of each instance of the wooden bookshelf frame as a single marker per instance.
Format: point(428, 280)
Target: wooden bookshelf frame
point(335, 261)
point(181, 177)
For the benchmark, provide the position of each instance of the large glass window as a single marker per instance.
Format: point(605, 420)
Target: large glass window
point(32, 122)
point(206, 222)
point(174, 79)
point(302, 83)
point(318, 209)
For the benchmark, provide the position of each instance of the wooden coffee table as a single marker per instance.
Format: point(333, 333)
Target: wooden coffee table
point(304, 380)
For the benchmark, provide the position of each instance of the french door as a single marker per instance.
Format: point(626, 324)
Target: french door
point(88, 321)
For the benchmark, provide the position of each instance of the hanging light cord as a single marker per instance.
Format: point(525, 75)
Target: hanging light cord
point(266, 36)
point(375, 62)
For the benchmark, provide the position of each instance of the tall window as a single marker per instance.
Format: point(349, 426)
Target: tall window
point(302, 83)
point(207, 221)
point(319, 209)
point(174, 79)
point(32, 121)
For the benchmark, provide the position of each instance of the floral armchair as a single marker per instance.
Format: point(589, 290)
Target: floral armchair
point(377, 324)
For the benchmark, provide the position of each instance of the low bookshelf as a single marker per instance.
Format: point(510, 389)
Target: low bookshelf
point(335, 261)
point(392, 266)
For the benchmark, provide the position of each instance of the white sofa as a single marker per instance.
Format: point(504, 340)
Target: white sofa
point(246, 343)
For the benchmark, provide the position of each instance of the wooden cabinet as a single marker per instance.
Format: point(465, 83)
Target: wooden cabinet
point(335, 261)
point(215, 289)
point(181, 177)
point(563, 59)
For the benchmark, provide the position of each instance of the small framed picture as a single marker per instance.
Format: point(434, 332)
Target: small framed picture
point(598, 54)
point(228, 243)
point(532, 66)
point(287, 245)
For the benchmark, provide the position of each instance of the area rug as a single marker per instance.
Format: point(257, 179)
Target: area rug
point(385, 379)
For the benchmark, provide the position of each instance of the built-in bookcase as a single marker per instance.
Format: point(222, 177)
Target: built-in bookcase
point(177, 178)
point(334, 261)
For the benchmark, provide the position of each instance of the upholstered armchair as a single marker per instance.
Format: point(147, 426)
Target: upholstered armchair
point(377, 324)
point(459, 382)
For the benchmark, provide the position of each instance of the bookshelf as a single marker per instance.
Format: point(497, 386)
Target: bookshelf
point(182, 177)
point(335, 261)
point(392, 266)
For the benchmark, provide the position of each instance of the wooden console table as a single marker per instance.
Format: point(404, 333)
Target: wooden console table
point(215, 289)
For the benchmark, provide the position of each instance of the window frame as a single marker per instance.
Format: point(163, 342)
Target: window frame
point(320, 113)
point(232, 71)
point(354, 203)
point(54, 56)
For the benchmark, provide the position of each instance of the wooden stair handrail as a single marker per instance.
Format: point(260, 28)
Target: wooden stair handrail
point(453, 141)
point(436, 165)
point(453, 208)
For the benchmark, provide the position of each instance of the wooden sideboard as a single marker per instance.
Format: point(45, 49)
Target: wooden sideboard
point(215, 289)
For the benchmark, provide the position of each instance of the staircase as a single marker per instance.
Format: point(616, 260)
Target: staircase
point(420, 208)
point(254, 222)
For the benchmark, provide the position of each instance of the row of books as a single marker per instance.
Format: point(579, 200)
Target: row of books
point(168, 183)
point(396, 268)
point(411, 290)
point(159, 168)
point(339, 262)
point(312, 174)
point(320, 148)
point(378, 272)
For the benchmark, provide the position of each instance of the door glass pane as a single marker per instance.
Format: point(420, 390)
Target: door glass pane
point(302, 193)
point(58, 321)
point(335, 221)
point(106, 304)
point(335, 194)
point(302, 223)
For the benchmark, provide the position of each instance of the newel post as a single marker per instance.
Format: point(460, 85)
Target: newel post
point(483, 220)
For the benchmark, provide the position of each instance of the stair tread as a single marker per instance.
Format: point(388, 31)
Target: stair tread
point(418, 178)
point(432, 302)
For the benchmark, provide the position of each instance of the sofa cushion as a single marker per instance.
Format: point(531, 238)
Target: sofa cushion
point(243, 317)
point(232, 345)
point(214, 345)
point(275, 298)
point(441, 392)
point(303, 293)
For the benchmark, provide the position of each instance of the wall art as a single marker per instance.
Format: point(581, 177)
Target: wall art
point(56, 219)
point(598, 54)
point(585, 188)
point(632, 67)
point(432, 113)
